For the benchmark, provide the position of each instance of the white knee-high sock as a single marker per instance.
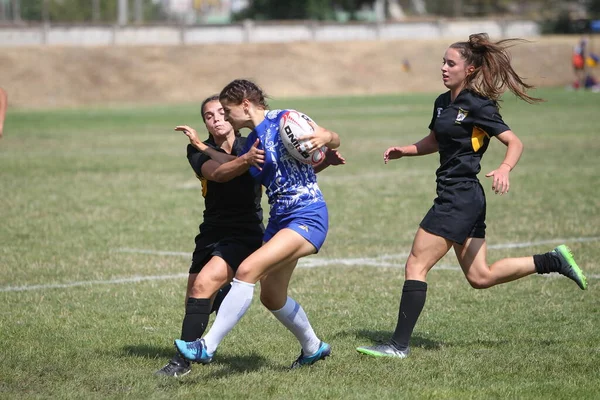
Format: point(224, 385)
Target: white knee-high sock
point(233, 308)
point(293, 317)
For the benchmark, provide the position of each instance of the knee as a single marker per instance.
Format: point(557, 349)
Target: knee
point(199, 290)
point(479, 282)
point(246, 273)
point(205, 288)
point(415, 271)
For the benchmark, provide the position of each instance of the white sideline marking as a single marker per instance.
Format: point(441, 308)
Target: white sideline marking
point(154, 252)
point(378, 261)
point(87, 283)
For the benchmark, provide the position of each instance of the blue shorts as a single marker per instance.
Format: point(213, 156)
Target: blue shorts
point(311, 222)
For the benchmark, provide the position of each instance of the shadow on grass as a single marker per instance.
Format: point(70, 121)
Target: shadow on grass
point(146, 351)
point(377, 337)
point(223, 366)
point(226, 366)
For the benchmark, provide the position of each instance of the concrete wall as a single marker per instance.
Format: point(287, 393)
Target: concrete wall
point(258, 33)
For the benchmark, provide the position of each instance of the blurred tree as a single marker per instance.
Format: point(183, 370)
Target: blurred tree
point(353, 6)
point(469, 8)
point(82, 10)
point(280, 10)
point(303, 9)
point(594, 8)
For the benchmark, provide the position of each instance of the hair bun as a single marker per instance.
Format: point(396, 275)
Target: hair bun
point(477, 41)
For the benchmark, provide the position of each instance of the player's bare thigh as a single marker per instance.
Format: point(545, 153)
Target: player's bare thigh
point(282, 249)
point(427, 249)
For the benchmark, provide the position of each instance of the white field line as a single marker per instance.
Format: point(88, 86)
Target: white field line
point(379, 262)
point(131, 279)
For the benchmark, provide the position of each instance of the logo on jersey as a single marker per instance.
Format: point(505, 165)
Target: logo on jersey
point(303, 227)
point(439, 111)
point(462, 114)
point(271, 114)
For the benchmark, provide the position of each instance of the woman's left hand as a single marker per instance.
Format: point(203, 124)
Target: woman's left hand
point(500, 181)
point(319, 138)
point(333, 157)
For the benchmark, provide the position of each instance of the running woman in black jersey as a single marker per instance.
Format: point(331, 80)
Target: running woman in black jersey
point(476, 72)
point(232, 228)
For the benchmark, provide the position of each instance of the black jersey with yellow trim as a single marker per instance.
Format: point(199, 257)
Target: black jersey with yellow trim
point(463, 129)
point(235, 204)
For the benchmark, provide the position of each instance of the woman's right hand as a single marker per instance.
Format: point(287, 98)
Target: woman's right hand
point(393, 153)
point(255, 157)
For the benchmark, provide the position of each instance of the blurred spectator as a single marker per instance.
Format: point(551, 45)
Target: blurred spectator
point(591, 83)
point(578, 60)
point(3, 106)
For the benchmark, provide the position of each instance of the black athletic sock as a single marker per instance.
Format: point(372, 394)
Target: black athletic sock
point(196, 319)
point(546, 263)
point(411, 305)
point(220, 296)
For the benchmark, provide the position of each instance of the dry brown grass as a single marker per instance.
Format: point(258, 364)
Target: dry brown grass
point(69, 76)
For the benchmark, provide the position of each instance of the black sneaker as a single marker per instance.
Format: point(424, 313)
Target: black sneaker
point(568, 266)
point(176, 368)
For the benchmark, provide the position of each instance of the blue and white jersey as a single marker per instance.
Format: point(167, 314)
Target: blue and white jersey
point(290, 185)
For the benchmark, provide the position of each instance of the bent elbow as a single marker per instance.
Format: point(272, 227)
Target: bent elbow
point(219, 178)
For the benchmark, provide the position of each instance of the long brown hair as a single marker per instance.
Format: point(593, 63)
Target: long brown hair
point(493, 72)
point(238, 90)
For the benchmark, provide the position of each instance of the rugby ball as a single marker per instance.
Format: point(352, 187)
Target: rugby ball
point(292, 125)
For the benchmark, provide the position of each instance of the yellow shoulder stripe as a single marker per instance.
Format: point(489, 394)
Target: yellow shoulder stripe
point(478, 137)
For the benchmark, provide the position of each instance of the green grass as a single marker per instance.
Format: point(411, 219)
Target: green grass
point(78, 185)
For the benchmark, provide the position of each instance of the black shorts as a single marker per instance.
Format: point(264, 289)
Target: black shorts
point(458, 212)
point(232, 245)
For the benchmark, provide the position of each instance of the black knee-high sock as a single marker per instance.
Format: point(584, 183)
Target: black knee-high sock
point(220, 296)
point(546, 263)
point(195, 321)
point(411, 305)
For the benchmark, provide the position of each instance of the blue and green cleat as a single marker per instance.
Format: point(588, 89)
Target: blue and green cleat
point(384, 350)
point(193, 351)
point(568, 266)
point(324, 351)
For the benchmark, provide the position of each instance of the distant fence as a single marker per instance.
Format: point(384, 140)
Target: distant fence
point(250, 32)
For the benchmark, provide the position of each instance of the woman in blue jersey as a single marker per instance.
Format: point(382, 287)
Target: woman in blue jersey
point(298, 224)
point(231, 229)
point(464, 119)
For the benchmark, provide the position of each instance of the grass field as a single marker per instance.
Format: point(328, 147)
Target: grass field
point(99, 209)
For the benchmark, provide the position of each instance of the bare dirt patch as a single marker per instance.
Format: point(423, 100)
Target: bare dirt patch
point(41, 77)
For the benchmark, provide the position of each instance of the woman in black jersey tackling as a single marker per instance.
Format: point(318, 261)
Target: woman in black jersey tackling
point(231, 229)
point(476, 72)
